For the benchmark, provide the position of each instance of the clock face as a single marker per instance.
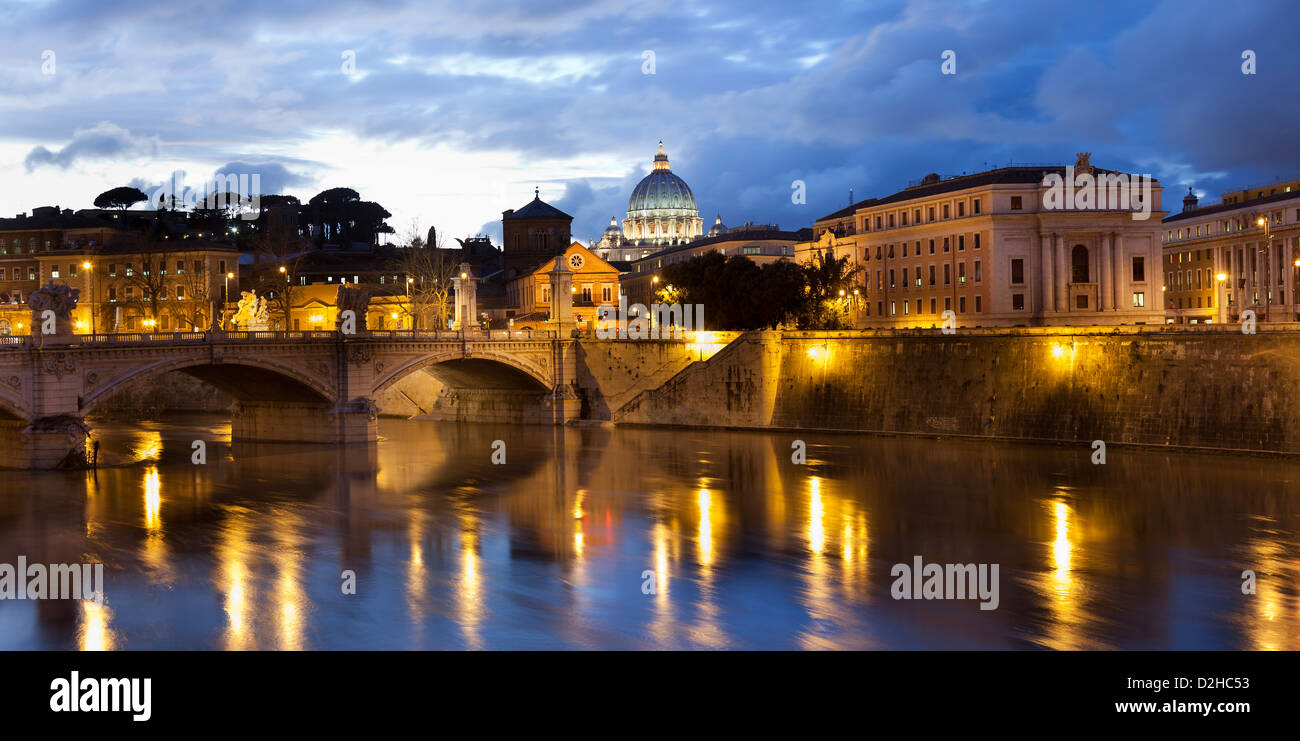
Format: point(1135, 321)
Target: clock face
point(576, 261)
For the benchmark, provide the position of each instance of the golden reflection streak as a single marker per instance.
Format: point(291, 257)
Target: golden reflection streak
point(662, 628)
point(94, 633)
point(705, 539)
point(154, 549)
point(416, 572)
point(1063, 630)
point(708, 633)
point(578, 515)
point(293, 600)
point(1265, 631)
point(816, 597)
point(1061, 551)
point(816, 511)
point(152, 500)
point(469, 599)
point(232, 555)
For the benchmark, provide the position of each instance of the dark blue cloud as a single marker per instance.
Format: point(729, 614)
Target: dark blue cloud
point(748, 96)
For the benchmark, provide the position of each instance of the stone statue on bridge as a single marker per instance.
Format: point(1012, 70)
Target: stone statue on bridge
point(58, 298)
point(251, 314)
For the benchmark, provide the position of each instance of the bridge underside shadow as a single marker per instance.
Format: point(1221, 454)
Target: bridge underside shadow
point(476, 390)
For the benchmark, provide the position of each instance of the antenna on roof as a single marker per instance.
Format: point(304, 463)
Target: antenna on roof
point(850, 195)
point(537, 193)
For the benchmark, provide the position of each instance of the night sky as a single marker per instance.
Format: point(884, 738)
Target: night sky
point(455, 113)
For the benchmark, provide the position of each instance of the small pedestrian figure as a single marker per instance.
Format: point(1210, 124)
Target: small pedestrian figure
point(94, 459)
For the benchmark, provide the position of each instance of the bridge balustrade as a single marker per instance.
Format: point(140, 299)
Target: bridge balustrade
point(493, 335)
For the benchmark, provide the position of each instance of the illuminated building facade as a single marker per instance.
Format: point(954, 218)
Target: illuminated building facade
point(997, 249)
point(1250, 239)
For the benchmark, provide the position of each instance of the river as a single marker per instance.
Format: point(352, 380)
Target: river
point(648, 538)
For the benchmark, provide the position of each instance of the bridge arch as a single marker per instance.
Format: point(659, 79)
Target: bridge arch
point(475, 370)
point(253, 379)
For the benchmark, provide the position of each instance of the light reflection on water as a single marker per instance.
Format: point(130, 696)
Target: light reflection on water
point(636, 539)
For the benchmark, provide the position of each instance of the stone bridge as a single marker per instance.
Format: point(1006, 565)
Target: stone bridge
point(288, 386)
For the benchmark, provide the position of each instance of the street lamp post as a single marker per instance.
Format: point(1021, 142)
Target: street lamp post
point(90, 280)
point(1268, 267)
point(225, 298)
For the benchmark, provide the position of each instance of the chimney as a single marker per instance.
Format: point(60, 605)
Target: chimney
point(1189, 200)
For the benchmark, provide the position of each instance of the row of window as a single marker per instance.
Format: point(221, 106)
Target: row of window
point(1017, 304)
point(907, 306)
point(606, 294)
point(916, 278)
point(887, 251)
point(128, 294)
point(1226, 226)
point(900, 217)
point(18, 274)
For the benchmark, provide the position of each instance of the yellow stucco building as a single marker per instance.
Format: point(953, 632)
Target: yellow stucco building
point(595, 282)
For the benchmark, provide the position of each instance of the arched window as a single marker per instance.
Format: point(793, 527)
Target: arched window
point(1079, 264)
point(5, 331)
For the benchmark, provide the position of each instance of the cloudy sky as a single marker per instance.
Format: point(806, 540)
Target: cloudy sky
point(447, 114)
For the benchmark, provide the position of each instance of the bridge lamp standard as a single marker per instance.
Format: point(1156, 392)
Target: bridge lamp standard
point(1262, 222)
point(90, 279)
point(225, 297)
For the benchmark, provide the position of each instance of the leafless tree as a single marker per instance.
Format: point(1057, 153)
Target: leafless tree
point(428, 270)
point(191, 312)
point(143, 276)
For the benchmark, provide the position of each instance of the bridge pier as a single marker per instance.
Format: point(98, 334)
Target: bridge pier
point(355, 421)
point(50, 442)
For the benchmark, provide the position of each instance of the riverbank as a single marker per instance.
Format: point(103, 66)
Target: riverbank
point(1206, 391)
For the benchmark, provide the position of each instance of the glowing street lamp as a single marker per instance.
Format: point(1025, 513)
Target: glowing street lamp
point(1263, 223)
point(90, 279)
point(225, 295)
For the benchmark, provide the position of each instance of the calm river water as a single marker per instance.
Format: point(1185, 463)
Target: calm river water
point(641, 539)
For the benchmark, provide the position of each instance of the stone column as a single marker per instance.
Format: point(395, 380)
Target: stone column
point(1047, 278)
point(561, 279)
point(466, 299)
point(1062, 273)
point(1288, 280)
point(1117, 261)
point(1105, 280)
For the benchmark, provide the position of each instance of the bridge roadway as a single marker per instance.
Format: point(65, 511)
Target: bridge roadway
point(313, 386)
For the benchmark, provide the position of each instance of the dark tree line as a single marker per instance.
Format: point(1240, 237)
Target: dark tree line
point(336, 215)
point(737, 293)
